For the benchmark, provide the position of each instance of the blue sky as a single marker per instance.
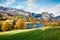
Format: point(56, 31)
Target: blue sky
point(37, 6)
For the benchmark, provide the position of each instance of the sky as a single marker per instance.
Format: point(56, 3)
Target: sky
point(36, 6)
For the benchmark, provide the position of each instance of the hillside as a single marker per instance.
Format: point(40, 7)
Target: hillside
point(48, 34)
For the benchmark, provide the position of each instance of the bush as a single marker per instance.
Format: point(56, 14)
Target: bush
point(5, 26)
point(20, 24)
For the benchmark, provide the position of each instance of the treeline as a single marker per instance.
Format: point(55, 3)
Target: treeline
point(10, 22)
point(15, 22)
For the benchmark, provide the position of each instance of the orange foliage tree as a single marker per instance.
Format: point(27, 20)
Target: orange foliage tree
point(45, 22)
point(20, 24)
point(5, 25)
point(33, 20)
point(54, 24)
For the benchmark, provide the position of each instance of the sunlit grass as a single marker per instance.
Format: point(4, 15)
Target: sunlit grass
point(44, 33)
point(11, 32)
point(17, 31)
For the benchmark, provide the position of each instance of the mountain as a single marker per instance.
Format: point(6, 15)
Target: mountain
point(45, 16)
point(51, 15)
point(58, 17)
point(12, 10)
point(6, 9)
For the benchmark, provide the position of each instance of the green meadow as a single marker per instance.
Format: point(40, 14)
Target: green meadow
point(31, 34)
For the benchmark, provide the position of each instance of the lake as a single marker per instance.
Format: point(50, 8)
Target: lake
point(31, 25)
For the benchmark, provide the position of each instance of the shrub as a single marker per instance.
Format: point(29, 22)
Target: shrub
point(5, 26)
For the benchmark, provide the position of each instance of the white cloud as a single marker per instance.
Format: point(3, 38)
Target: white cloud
point(7, 3)
point(33, 7)
point(30, 5)
point(18, 7)
point(55, 9)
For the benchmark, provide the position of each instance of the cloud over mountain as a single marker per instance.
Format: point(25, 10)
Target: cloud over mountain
point(36, 6)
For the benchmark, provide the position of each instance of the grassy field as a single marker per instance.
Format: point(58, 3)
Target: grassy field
point(31, 34)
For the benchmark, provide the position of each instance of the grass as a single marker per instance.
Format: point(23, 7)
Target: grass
point(38, 34)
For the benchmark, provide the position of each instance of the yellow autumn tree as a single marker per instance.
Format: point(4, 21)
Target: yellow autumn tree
point(20, 24)
point(45, 22)
point(23, 23)
point(17, 26)
point(54, 24)
point(31, 20)
point(5, 25)
point(35, 21)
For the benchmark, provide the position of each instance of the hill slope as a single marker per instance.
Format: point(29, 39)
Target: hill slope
point(48, 34)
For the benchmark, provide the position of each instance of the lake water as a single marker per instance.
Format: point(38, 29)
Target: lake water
point(38, 25)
